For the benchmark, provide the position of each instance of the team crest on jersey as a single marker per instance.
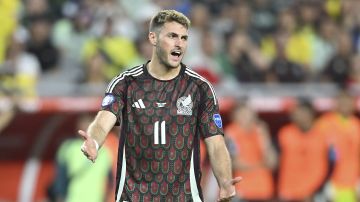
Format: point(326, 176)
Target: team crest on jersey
point(184, 106)
point(217, 120)
point(108, 99)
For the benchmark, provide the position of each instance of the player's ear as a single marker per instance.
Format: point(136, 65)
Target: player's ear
point(152, 38)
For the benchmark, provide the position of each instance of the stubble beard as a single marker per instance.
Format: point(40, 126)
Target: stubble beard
point(162, 56)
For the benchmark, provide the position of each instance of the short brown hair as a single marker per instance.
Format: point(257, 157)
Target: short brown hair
point(168, 16)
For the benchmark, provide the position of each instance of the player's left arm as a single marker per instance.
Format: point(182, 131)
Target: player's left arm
point(210, 128)
point(221, 164)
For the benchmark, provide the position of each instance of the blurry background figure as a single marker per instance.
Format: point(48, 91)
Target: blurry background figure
point(342, 130)
point(144, 48)
point(242, 21)
point(37, 8)
point(350, 20)
point(308, 13)
point(41, 45)
point(203, 47)
point(264, 17)
point(338, 69)
point(102, 10)
point(253, 155)
point(279, 46)
point(303, 164)
point(355, 73)
point(243, 59)
point(21, 70)
point(207, 63)
point(9, 11)
point(324, 44)
point(94, 79)
point(69, 36)
point(285, 26)
point(117, 51)
point(199, 23)
point(77, 178)
point(282, 69)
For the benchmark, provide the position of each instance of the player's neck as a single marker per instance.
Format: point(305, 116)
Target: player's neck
point(160, 71)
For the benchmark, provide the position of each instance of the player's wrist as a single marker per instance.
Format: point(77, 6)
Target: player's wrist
point(96, 145)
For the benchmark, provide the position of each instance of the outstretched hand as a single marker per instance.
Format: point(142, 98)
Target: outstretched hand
point(88, 147)
point(227, 190)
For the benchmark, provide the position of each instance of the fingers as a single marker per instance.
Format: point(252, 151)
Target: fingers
point(83, 148)
point(89, 157)
point(235, 180)
point(86, 153)
point(83, 134)
point(228, 191)
point(226, 199)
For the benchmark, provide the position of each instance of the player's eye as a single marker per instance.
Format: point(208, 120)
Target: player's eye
point(184, 38)
point(172, 35)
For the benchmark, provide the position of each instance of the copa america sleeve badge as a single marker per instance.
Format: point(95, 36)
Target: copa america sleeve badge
point(217, 120)
point(108, 99)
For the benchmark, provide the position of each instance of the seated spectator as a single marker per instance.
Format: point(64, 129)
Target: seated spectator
point(69, 36)
point(301, 45)
point(338, 69)
point(8, 22)
point(121, 25)
point(118, 52)
point(36, 7)
point(324, 44)
point(286, 27)
point(282, 69)
point(243, 59)
point(242, 16)
point(264, 16)
point(21, 70)
point(94, 79)
point(206, 61)
point(40, 43)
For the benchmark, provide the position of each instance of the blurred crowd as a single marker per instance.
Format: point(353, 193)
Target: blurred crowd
point(57, 47)
point(313, 157)
point(74, 42)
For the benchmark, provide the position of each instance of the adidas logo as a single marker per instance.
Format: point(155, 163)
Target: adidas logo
point(139, 104)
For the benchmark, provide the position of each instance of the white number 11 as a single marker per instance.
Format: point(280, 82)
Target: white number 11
point(162, 132)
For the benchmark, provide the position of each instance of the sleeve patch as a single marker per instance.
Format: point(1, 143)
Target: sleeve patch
point(217, 120)
point(108, 99)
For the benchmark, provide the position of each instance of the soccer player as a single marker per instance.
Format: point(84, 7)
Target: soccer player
point(164, 108)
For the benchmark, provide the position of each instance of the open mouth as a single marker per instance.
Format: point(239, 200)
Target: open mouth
point(176, 53)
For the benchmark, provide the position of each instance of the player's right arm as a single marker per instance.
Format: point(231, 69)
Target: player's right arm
point(110, 115)
point(96, 133)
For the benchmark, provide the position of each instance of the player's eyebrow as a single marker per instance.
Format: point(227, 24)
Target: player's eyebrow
point(173, 34)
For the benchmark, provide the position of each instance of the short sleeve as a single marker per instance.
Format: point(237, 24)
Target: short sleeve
point(114, 99)
point(210, 122)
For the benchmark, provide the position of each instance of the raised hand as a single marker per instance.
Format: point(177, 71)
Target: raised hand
point(227, 190)
point(89, 146)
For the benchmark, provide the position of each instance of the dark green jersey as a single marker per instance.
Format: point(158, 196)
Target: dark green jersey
point(161, 126)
